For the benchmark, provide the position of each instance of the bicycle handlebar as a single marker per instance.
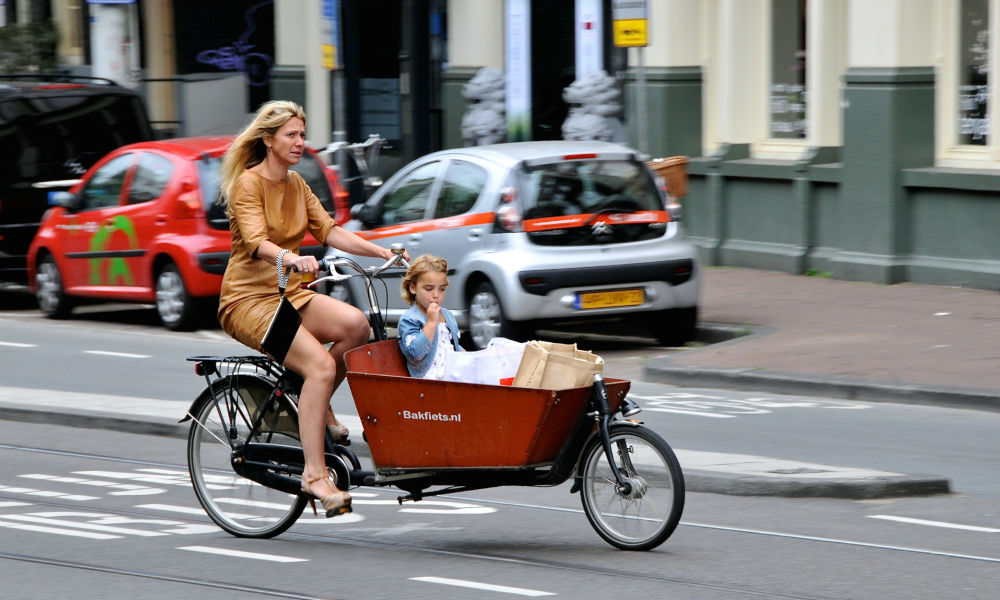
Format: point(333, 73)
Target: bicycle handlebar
point(331, 264)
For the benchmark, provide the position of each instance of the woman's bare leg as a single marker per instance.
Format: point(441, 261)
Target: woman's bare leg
point(331, 320)
point(309, 358)
point(324, 320)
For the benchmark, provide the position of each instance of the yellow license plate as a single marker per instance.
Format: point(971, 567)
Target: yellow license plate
point(610, 299)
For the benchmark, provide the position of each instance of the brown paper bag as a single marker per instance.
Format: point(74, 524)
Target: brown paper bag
point(552, 366)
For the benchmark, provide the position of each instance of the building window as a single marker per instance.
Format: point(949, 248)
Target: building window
point(788, 92)
point(973, 73)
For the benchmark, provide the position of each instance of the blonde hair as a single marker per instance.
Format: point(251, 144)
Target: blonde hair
point(425, 263)
point(248, 148)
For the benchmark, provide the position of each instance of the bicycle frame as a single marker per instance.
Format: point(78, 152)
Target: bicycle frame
point(269, 464)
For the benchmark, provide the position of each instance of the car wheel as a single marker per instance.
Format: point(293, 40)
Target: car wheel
point(51, 296)
point(173, 304)
point(675, 327)
point(487, 320)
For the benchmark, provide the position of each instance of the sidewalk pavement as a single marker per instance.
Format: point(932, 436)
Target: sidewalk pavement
point(824, 337)
point(784, 334)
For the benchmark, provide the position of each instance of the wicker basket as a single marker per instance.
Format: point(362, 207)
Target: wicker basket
point(673, 170)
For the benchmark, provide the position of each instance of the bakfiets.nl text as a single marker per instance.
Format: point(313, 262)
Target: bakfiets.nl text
point(427, 415)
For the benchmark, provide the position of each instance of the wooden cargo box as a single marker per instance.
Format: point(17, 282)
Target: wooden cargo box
point(413, 423)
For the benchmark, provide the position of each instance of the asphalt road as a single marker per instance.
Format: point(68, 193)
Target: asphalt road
point(85, 509)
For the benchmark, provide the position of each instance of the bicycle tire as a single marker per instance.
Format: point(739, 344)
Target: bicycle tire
point(645, 518)
point(238, 505)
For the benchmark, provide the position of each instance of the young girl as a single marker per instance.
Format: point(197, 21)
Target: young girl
point(427, 331)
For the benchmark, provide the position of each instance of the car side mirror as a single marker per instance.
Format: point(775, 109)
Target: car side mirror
point(366, 213)
point(64, 199)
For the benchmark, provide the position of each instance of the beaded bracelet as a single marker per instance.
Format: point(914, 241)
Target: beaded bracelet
point(282, 272)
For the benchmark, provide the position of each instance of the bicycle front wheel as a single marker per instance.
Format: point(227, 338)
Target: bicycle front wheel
point(223, 417)
point(645, 515)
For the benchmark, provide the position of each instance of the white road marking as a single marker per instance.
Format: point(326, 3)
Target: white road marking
point(773, 468)
point(935, 523)
point(482, 586)
point(449, 508)
point(187, 510)
point(46, 494)
point(126, 489)
point(58, 531)
point(118, 354)
point(102, 522)
point(728, 407)
point(17, 345)
point(241, 554)
point(253, 503)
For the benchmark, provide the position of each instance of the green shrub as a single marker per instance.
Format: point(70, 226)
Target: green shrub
point(28, 47)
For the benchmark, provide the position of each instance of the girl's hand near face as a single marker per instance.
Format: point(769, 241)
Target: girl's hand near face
point(434, 313)
point(433, 318)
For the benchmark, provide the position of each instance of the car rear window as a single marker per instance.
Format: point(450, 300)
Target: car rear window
point(210, 179)
point(60, 136)
point(599, 202)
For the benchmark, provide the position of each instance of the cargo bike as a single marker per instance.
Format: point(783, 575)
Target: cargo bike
point(427, 438)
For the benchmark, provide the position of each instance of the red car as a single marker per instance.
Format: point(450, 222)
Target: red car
point(144, 225)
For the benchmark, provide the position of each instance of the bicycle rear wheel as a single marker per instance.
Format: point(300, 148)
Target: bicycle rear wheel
point(222, 421)
point(644, 517)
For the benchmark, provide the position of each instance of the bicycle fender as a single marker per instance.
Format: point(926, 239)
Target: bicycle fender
point(579, 464)
point(218, 385)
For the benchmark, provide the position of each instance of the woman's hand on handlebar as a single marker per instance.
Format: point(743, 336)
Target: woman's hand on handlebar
point(304, 264)
point(388, 254)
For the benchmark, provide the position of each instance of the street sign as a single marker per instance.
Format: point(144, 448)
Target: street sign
point(330, 34)
point(630, 26)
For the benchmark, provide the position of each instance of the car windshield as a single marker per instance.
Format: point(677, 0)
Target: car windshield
point(589, 190)
point(210, 178)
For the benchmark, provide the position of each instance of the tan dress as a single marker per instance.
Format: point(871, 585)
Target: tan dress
point(281, 212)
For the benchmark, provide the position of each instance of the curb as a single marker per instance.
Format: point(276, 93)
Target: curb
point(781, 382)
point(89, 420)
point(843, 488)
point(695, 480)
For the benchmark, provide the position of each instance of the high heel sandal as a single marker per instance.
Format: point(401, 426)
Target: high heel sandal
point(339, 434)
point(337, 503)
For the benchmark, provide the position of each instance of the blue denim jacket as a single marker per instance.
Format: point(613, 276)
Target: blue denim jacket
point(418, 350)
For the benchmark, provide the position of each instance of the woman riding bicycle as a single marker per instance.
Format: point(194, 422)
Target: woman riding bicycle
point(270, 208)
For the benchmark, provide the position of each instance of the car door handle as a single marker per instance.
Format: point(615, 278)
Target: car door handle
point(416, 237)
point(475, 233)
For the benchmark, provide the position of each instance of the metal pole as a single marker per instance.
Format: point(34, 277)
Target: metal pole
point(641, 101)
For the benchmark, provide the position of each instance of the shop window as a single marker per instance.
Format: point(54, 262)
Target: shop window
point(973, 73)
point(788, 92)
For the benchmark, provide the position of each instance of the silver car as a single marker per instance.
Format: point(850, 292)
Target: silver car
point(538, 233)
